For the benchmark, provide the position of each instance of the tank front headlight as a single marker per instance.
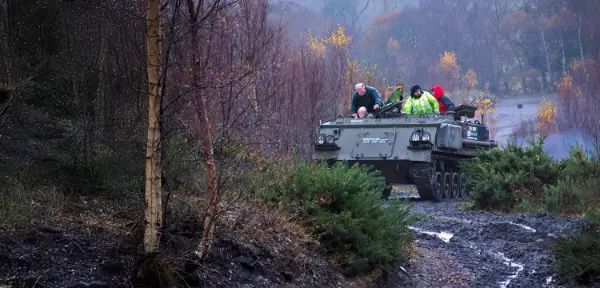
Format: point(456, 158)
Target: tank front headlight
point(415, 136)
point(329, 139)
point(321, 139)
point(426, 136)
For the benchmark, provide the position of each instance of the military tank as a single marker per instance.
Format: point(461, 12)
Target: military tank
point(422, 150)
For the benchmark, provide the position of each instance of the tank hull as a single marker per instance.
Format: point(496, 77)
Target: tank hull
point(425, 150)
point(394, 171)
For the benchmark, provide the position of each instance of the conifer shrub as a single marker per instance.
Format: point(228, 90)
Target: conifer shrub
point(526, 178)
point(502, 179)
point(578, 257)
point(343, 208)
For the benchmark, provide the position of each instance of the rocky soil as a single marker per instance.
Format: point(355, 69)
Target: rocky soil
point(458, 248)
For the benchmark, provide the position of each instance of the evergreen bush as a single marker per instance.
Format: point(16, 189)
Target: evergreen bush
point(342, 207)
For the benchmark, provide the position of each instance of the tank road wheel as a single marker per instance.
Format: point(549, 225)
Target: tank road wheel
point(455, 191)
point(464, 191)
point(437, 186)
point(447, 185)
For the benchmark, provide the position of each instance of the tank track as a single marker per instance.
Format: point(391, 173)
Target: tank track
point(424, 175)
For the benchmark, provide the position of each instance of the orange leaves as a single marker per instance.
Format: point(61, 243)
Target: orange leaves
point(385, 19)
point(549, 22)
point(578, 64)
point(565, 86)
point(546, 117)
point(393, 44)
point(448, 62)
point(471, 79)
point(448, 69)
point(517, 18)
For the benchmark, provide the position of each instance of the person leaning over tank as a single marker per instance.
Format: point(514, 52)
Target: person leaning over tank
point(420, 102)
point(362, 113)
point(366, 96)
point(443, 100)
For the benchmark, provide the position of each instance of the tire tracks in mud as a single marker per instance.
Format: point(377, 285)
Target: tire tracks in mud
point(485, 249)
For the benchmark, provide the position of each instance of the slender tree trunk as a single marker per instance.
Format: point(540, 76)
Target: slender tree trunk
point(99, 115)
point(562, 49)
point(153, 213)
point(205, 130)
point(523, 82)
point(580, 18)
point(548, 77)
point(254, 99)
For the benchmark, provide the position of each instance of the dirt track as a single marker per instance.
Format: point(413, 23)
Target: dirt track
point(480, 249)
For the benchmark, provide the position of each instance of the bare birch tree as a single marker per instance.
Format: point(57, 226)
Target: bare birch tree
point(153, 213)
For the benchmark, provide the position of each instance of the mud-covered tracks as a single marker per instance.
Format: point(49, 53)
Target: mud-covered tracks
point(440, 179)
point(492, 250)
point(450, 185)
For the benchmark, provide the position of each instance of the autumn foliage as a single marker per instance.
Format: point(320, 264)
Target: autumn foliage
point(487, 109)
point(546, 118)
point(565, 86)
point(578, 98)
point(386, 19)
point(446, 70)
point(338, 38)
point(470, 80)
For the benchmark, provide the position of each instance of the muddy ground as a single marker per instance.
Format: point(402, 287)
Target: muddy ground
point(458, 248)
point(251, 249)
point(454, 248)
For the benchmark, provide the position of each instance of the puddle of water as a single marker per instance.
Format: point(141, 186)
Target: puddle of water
point(444, 236)
point(523, 226)
point(402, 191)
point(509, 262)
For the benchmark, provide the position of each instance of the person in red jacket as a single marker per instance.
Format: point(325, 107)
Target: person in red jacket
point(444, 101)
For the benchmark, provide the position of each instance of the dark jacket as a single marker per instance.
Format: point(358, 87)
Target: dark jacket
point(444, 101)
point(368, 100)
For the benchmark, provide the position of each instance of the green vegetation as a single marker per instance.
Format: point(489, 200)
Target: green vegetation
point(526, 179)
point(21, 204)
point(343, 208)
point(578, 257)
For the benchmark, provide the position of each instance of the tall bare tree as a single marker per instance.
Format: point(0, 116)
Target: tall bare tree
point(153, 215)
point(199, 14)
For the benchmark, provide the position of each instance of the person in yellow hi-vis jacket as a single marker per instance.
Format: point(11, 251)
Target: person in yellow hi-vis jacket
point(420, 102)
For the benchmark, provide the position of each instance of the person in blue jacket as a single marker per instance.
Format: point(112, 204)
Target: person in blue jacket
point(366, 96)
